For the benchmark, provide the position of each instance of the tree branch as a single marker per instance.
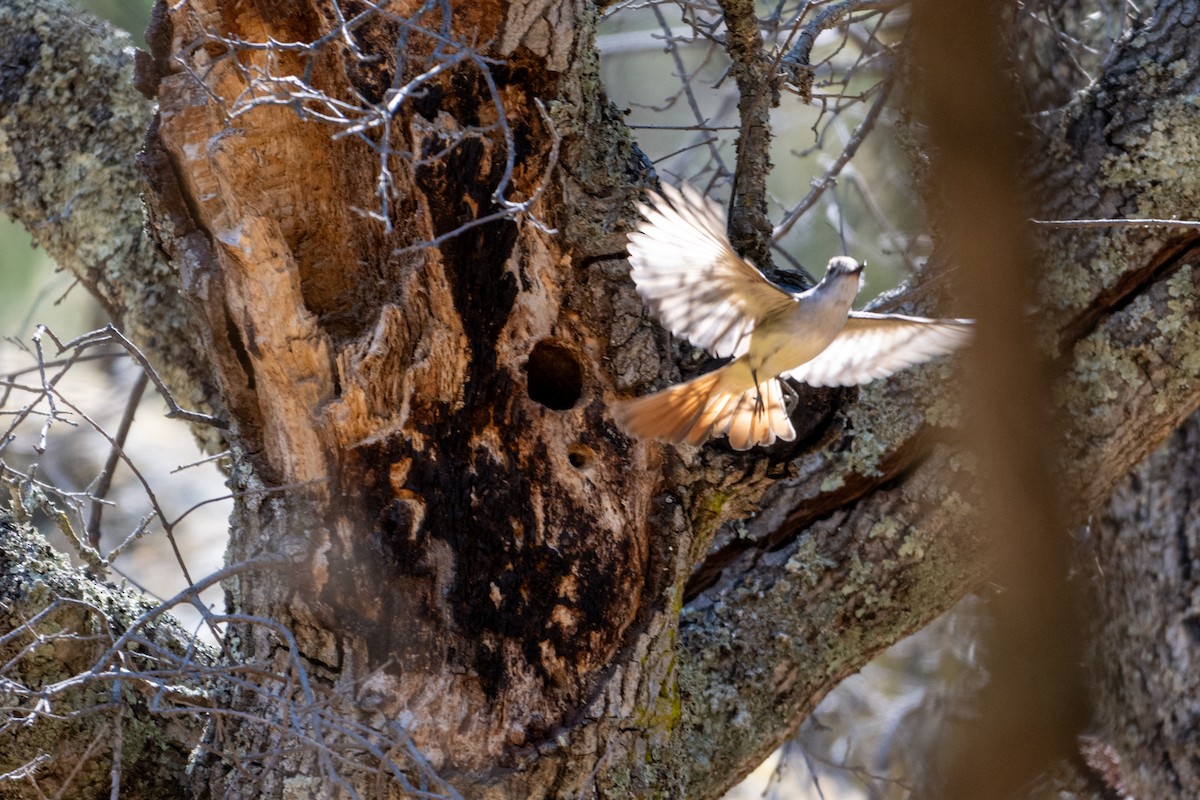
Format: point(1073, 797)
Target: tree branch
point(1126, 379)
point(797, 62)
point(83, 205)
point(57, 624)
point(758, 93)
point(871, 489)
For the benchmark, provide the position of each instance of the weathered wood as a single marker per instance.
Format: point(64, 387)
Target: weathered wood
point(480, 555)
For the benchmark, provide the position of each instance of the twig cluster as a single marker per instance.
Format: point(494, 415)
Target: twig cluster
point(273, 79)
point(149, 662)
point(135, 653)
point(831, 62)
point(77, 514)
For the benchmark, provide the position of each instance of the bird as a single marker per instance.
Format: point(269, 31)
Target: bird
point(686, 271)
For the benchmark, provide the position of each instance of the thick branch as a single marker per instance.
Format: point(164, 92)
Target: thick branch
point(1126, 379)
point(773, 625)
point(57, 625)
point(797, 61)
point(71, 125)
point(761, 648)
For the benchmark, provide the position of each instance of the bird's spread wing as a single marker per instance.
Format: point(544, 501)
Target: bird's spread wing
point(876, 345)
point(689, 275)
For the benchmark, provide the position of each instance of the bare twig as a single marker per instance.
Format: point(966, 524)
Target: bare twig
point(104, 481)
point(686, 88)
point(1117, 223)
point(118, 741)
point(510, 208)
point(47, 389)
point(110, 333)
point(178, 682)
point(199, 461)
point(373, 123)
point(798, 58)
point(830, 176)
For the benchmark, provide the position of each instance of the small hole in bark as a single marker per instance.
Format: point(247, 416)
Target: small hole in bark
point(580, 456)
point(555, 377)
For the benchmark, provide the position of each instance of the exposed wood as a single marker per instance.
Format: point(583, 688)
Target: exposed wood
point(480, 555)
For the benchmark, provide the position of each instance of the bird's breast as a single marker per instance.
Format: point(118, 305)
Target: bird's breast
point(786, 342)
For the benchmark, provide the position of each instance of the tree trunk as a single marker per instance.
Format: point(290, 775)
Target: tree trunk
point(475, 572)
point(471, 535)
point(1141, 562)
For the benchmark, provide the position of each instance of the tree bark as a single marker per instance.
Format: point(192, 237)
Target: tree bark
point(1140, 556)
point(72, 127)
point(481, 560)
point(471, 534)
point(60, 624)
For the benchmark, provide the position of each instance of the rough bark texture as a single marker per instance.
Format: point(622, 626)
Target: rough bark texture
point(1118, 302)
point(481, 555)
point(58, 623)
point(1143, 569)
point(444, 409)
point(758, 93)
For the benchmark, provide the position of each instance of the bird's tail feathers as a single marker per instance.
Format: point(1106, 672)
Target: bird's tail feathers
point(707, 406)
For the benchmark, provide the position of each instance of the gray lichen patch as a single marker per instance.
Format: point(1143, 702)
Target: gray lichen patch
point(71, 127)
point(886, 414)
point(1164, 165)
point(1140, 363)
point(59, 623)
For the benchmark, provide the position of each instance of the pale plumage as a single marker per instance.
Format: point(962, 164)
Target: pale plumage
point(874, 346)
point(688, 274)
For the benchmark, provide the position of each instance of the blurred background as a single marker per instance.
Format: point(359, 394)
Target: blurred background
point(662, 68)
point(33, 291)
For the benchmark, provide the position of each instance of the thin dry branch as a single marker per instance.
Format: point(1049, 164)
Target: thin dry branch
point(269, 83)
point(104, 480)
point(179, 676)
point(798, 59)
point(830, 177)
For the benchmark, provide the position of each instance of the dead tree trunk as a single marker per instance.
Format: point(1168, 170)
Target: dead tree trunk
point(470, 535)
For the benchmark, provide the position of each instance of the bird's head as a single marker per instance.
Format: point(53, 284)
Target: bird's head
point(843, 277)
point(843, 266)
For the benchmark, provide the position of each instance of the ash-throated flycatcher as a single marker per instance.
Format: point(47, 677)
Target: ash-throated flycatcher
point(688, 274)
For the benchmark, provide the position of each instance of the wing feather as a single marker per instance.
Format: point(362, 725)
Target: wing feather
point(688, 274)
point(876, 345)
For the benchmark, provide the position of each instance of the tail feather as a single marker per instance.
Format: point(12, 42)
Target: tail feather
point(706, 406)
point(759, 423)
